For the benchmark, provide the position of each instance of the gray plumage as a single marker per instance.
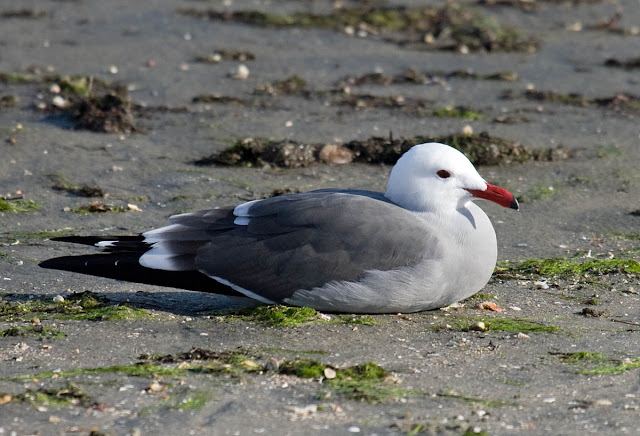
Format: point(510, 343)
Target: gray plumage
point(421, 245)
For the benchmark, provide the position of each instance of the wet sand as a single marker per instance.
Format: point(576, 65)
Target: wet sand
point(560, 372)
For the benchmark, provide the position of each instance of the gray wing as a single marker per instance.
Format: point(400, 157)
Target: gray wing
point(303, 241)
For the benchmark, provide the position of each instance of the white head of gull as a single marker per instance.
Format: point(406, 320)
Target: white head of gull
point(422, 245)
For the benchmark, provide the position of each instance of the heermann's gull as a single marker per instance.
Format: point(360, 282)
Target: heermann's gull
point(421, 245)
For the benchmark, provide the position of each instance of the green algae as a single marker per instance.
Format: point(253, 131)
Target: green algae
point(33, 331)
point(476, 400)
point(513, 325)
point(192, 401)
point(450, 27)
point(628, 236)
point(280, 316)
point(613, 368)
point(582, 356)
point(303, 368)
point(135, 370)
point(537, 192)
point(86, 306)
point(358, 320)
point(457, 112)
point(18, 205)
point(600, 364)
point(366, 382)
point(63, 183)
point(568, 268)
point(66, 396)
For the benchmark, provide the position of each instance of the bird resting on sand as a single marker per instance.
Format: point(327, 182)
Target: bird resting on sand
point(423, 244)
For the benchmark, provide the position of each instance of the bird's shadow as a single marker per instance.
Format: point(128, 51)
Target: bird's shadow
point(177, 302)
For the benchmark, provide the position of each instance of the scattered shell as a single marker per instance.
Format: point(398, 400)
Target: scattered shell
point(353, 429)
point(156, 386)
point(113, 69)
point(272, 364)
point(335, 154)
point(133, 207)
point(467, 130)
point(480, 326)
point(575, 27)
point(304, 411)
point(55, 89)
point(602, 402)
point(489, 305)
point(540, 285)
point(58, 299)
point(549, 400)
point(54, 419)
point(6, 398)
point(522, 336)
point(242, 73)
point(250, 365)
point(59, 102)
point(516, 308)
point(329, 373)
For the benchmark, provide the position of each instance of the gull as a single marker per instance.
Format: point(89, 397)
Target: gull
point(423, 244)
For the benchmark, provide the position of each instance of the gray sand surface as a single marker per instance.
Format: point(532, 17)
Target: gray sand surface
point(443, 378)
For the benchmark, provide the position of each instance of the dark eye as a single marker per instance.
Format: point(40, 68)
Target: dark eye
point(443, 174)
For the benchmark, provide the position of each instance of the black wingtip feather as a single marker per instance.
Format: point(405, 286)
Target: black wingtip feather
point(125, 266)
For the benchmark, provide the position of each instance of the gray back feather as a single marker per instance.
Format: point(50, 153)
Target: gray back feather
point(303, 241)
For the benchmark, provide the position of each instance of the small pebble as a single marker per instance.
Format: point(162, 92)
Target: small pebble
point(353, 429)
point(58, 299)
point(55, 88)
point(113, 69)
point(467, 130)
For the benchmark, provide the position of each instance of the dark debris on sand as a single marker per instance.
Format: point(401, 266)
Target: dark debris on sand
point(451, 27)
point(481, 149)
point(109, 113)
